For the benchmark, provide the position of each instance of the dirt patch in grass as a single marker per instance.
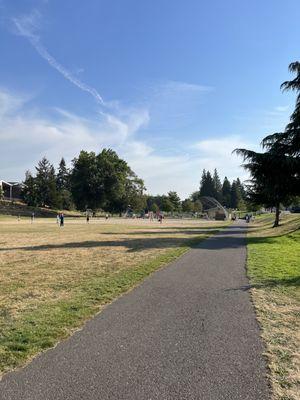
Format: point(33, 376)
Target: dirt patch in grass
point(274, 270)
point(52, 279)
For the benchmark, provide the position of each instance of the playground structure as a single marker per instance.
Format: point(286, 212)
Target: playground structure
point(11, 190)
point(213, 209)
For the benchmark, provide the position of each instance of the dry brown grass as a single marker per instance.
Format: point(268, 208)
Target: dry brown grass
point(42, 265)
point(274, 267)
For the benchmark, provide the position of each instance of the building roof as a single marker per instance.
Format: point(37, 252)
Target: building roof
point(10, 183)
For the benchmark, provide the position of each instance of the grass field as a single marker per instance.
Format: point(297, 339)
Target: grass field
point(274, 270)
point(52, 279)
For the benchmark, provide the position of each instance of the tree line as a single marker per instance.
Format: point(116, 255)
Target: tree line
point(95, 181)
point(230, 195)
point(106, 182)
point(275, 173)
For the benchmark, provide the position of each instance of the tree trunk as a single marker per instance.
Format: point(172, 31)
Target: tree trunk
point(277, 212)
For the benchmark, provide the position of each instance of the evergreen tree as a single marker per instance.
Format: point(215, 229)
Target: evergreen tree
point(271, 183)
point(63, 186)
point(235, 195)
point(29, 191)
point(243, 195)
point(175, 200)
point(195, 196)
point(226, 193)
point(241, 188)
point(203, 179)
point(217, 186)
point(207, 185)
point(1, 193)
point(288, 142)
point(275, 174)
point(63, 176)
point(46, 184)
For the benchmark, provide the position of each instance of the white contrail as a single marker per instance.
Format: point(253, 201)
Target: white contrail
point(35, 42)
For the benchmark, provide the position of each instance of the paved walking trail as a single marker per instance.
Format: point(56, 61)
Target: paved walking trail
point(188, 332)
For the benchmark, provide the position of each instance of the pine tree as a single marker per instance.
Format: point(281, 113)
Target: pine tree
point(243, 195)
point(202, 182)
point(1, 193)
point(63, 176)
point(236, 196)
point(207, 185)
point(195, 196)
point(217, 186)
point(275, 174)
point(46, 184)
point(63, 186)
point(241, 188)
point(29, 191)
point(175, 200)
point(226, 192)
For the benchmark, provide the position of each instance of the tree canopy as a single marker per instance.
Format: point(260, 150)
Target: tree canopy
point(275, 173)
point(103, 181)
point(229, 195)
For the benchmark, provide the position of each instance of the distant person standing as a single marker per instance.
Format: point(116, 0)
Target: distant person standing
point(87, 218)
point(62, 219)
point(32, 218)
point(57, 219)
point(106, 216)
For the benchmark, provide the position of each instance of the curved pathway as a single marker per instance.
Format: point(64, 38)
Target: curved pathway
point(187, 332)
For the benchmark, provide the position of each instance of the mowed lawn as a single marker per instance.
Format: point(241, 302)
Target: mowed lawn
point(52, 279)
point(274, 270)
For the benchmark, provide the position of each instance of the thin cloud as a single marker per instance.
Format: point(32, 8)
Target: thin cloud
point(30, 134)
point(26, 27)
point(181, 87)
point(282, 108)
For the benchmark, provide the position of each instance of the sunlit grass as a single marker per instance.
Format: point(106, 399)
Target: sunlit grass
point(52, 279)
point(274, 270)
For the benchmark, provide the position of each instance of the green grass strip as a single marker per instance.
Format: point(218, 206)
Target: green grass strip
point(43, 327)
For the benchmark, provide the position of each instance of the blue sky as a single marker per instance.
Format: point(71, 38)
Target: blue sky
point(173, 86)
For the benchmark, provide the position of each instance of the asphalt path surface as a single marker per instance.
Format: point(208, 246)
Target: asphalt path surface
point(187, 332)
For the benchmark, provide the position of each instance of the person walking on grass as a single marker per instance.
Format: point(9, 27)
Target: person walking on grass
point(87, 218)
point(62, 219)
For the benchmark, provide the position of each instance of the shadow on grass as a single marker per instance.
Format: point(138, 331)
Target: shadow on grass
point(284, 233)
point(185, 228)
point(162, 232)
point(132, 245)
point(231, 238)
point(268, 283)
